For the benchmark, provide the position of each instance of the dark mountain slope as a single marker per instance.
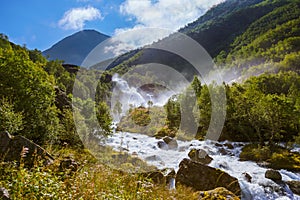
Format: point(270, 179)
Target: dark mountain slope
point(275, 18)
point(232, 29)
point(75, 48)
point(273, 39)
point(227, 20)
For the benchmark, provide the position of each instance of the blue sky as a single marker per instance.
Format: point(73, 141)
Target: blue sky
point(41, 23)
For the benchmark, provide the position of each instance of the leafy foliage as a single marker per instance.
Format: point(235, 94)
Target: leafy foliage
point(276, 157)
point(264, 108)
point(32, 90)
point(9, 120)
point(29, 99)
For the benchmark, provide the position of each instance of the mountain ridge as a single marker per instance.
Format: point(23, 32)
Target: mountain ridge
point(74, 48)
point(224, 31)
point(228, 35)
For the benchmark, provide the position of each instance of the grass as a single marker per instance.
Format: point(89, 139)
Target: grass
point(93, 180)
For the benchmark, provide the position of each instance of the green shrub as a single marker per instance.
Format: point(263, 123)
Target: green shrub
point(276, 157)
point(10, 120)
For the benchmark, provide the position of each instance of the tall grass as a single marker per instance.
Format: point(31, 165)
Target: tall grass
point(92, 180)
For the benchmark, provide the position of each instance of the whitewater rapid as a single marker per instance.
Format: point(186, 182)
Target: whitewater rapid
point(260, 188)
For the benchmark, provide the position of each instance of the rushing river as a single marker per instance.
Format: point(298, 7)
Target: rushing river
point(260, 188)
point(224, 157)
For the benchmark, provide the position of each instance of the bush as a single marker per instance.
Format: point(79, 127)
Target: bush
point(276, 157)
point(255, 153)
point(10, 120)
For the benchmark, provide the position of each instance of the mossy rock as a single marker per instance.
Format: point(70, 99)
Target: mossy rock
point(199, 155)
point(165, 131)
point(21, 150)
point(294, 186)
point(276, 157)
point(218, 193)
point(273, 175)
point(202, 177)
point(285, 160)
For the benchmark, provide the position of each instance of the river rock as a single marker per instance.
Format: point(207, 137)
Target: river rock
point(218, 193)
point(156, 176)
point(162, 145)
point(4, 195)
point(13, 148)
point(201, 177)
point(223, 151)
point(229, 146)
point(247, 177)
point(167, 139)
point(294, 186)
point(218, 145)
point(274, 175)
point(119, 129)
point(171, 142)
point(223, 165)
point(152, 158)
point(199, 155)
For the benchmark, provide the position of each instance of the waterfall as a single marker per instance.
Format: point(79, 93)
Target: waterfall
point(129, 96)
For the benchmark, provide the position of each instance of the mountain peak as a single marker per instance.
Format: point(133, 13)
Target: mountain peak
point(74, 48)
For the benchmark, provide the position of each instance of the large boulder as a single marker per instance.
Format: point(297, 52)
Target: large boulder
point(201, 177)
point(218, 193)
point(19, 148)
point(199, 155)
point(273, 175)
point(294, 186)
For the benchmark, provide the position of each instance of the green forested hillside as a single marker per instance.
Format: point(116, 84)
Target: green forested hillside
point(217, 34)
point(238, 34)
point(36, 94)
point(273, 39)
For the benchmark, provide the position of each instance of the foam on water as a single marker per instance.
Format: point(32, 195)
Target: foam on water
point(260, 188)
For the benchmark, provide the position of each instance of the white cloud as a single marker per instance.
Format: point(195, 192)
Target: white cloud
point(168, 14)
point(125, 40)
point(75, 18)
point(165, 16)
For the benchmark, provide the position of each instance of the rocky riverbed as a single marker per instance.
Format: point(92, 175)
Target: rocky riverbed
point(166, 154)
